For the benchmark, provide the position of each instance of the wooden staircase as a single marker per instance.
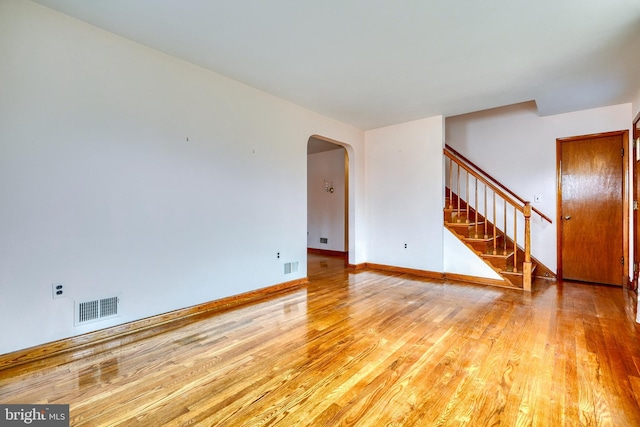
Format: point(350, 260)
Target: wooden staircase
point(490, 220)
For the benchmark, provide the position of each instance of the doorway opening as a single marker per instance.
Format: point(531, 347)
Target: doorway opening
point(327, 197)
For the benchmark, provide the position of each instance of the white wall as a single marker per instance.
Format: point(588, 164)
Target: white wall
point(101, 191)
point(459, 259)
point(404, 194)
point(518, 148)
point(326, 210)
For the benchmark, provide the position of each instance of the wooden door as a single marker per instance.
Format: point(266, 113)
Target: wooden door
point(590, 208)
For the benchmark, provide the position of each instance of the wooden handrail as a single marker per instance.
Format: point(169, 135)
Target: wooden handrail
point(485, 181)
point(493, 180)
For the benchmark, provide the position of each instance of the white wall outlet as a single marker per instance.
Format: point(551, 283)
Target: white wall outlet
point(57, 290)
point(537, 198)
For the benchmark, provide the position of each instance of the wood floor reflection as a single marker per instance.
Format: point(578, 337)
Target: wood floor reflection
point(368, 349)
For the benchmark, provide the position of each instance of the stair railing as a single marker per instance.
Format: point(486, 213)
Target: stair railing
point(493, 202)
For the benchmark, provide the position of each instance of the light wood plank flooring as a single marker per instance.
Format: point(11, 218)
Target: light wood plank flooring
point(366, 349)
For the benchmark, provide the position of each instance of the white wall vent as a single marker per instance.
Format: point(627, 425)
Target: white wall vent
point(96, 310)
point(290, 267)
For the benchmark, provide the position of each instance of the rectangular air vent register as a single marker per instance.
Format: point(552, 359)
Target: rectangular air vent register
point(97, 310)
point(290, 267)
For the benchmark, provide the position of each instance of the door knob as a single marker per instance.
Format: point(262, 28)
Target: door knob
point(567, 217)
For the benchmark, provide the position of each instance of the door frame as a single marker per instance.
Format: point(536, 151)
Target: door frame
point(636, 197)
point(348, 252)
point(625, 198)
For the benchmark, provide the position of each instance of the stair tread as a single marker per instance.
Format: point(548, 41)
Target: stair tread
point(519, 272)
point(498, 255)
point(460, 211)
point(460, 224)
point(481, 239)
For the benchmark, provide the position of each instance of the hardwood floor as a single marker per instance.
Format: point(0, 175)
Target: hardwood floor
point(366, 349)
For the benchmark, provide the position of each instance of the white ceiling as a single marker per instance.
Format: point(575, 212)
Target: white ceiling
point(372, 63)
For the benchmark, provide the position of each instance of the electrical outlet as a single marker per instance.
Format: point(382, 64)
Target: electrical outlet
point(57, 290)
point(537, 198)
point(405, 246)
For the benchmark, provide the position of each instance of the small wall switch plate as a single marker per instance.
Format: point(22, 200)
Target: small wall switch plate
point(57, 290)
point(537, 198)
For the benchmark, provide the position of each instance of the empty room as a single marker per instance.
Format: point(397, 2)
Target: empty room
point(318, 214)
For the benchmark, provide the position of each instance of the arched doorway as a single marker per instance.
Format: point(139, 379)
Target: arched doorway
point(327, 197)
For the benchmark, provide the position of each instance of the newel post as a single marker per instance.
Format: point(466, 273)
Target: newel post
point(526, 266)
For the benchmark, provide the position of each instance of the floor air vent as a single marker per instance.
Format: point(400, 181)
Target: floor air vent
point(96, 310)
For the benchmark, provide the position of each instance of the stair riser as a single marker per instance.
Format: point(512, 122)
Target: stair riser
point(460, 217)
point(487, 247)
point(504, 264)
point(465, 230)
point(501, 263)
